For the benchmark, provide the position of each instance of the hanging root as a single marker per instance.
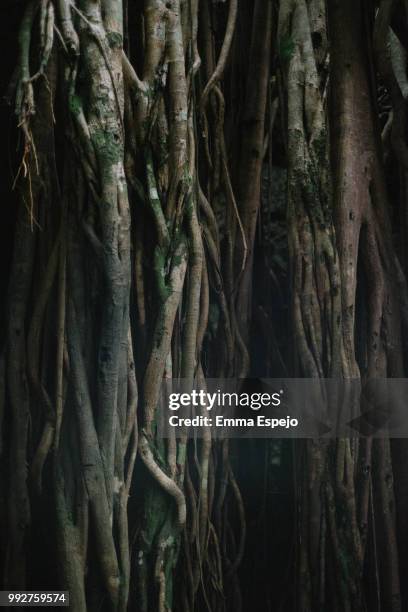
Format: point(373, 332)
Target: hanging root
point(166, 483)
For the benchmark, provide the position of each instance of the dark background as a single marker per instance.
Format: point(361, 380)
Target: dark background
point(10, 16)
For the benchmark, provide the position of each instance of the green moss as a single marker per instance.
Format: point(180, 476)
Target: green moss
point(319, 145)
point(286, 48)
point(115, 40)
point(160, 273)
point(75, 104)
point(177, 260)
point(108, 145)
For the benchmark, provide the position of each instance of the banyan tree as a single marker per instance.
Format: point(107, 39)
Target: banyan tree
point(198, 189)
